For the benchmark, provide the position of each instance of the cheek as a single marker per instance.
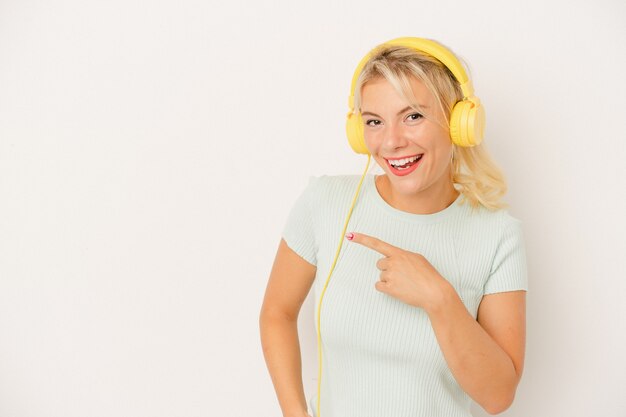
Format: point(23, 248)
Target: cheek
point(442, 161)
point(371, 141)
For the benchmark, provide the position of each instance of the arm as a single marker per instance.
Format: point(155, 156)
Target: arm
point(486, 356)
point(290, 280)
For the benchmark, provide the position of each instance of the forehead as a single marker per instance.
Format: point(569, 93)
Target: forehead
point(382, 93)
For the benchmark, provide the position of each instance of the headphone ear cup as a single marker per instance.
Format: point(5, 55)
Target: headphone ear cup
point(467, 123)
point(477, 125)
point(354, 131)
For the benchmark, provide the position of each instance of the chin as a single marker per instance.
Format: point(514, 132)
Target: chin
point(404, 185)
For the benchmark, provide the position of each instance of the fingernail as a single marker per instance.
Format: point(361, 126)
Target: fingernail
point(349, 236)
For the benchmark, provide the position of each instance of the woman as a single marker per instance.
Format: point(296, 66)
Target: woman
point(425, 310)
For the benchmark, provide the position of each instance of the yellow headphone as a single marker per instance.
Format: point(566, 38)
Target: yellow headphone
point(467, 123)
point(467, 119)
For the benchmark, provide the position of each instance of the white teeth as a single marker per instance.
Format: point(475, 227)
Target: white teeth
point(399, 162)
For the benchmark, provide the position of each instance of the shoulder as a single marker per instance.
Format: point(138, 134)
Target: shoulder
point(332, 185)
point(496, 219)
point(489, 227)
point(328, 196)
point(336, 181)
point(492, 241)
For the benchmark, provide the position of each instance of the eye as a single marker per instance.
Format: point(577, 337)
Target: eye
point(414, 116)
point(372, 122)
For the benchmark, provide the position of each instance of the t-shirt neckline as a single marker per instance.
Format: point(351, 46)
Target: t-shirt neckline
point(425, 218)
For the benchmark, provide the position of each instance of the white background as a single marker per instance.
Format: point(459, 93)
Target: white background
point(150, 153)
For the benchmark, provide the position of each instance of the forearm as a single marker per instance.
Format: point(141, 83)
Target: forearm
point(281, 348)
point(480, 366)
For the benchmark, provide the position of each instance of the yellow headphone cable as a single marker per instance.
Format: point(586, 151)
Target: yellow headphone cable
point(319, 307)
point(467, 122)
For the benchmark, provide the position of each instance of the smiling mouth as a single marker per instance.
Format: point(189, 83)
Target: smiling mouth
point(404, 163)
point(404, 166)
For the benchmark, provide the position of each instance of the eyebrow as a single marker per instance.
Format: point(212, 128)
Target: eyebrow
point(407, 108)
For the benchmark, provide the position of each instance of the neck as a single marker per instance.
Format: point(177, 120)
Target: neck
point(432, 200)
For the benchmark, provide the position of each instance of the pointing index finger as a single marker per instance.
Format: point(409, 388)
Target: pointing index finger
point(372, 243)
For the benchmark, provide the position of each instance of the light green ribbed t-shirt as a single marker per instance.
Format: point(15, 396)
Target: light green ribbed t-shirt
point(380, 356)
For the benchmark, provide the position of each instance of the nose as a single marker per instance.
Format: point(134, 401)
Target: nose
point(395, 137)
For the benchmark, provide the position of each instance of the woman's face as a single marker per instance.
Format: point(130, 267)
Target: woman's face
point(394, 131)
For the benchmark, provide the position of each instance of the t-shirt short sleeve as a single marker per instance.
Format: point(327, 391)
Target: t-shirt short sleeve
point(509, 269)
point(299, 231)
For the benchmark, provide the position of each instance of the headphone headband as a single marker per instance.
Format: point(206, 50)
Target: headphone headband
point(429, 47)
point(467, 117)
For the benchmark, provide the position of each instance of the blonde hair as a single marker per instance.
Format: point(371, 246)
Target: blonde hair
point(473, 172)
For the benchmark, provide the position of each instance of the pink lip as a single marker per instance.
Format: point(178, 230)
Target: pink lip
point(402, 157)
point(402, 173)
